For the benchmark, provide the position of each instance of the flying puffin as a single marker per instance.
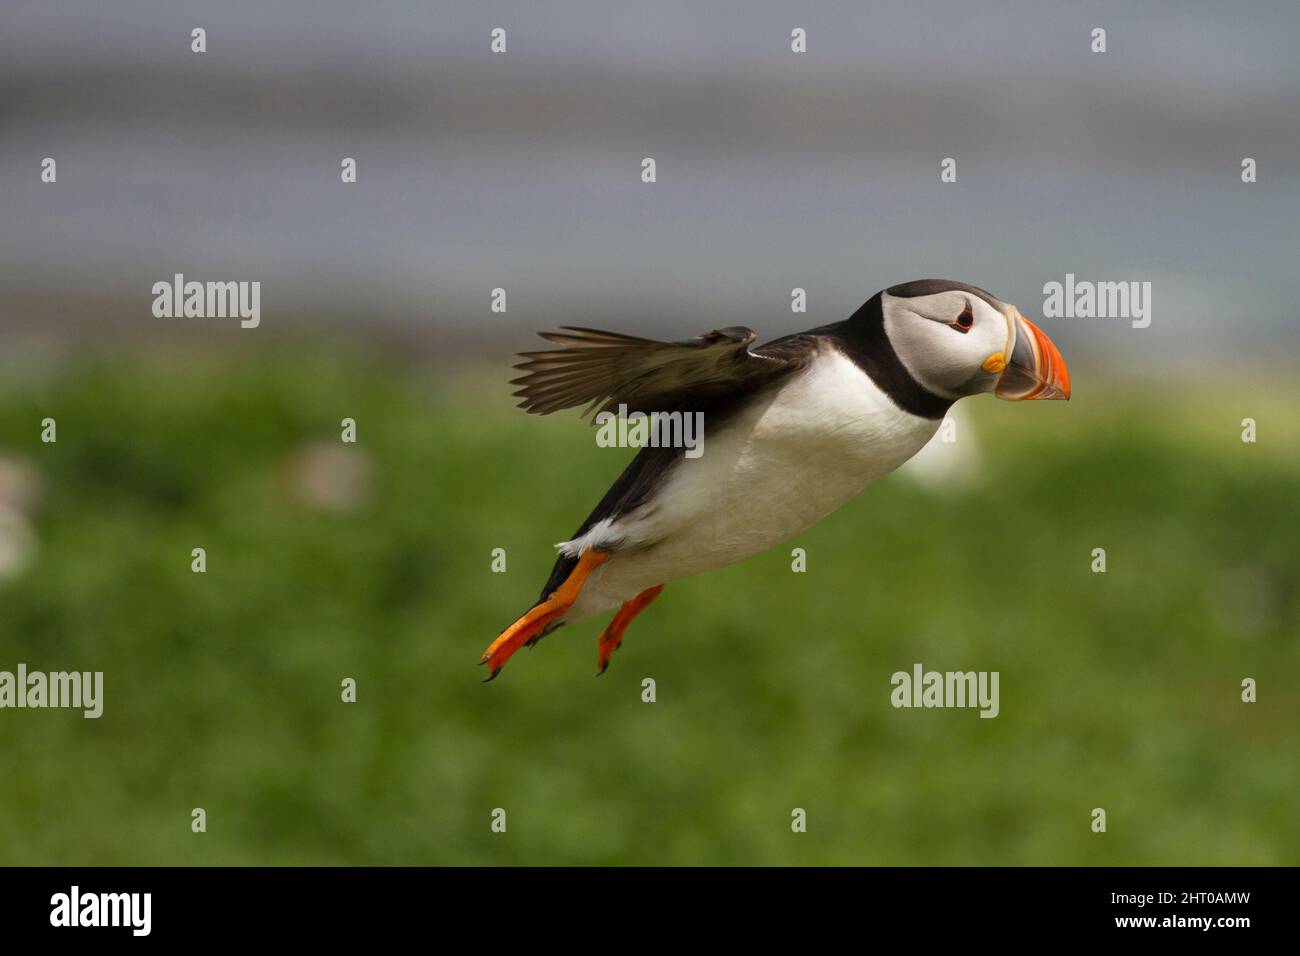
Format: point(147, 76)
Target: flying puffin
point(793, 429)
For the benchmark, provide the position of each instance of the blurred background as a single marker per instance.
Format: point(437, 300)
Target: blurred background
point(522, 171)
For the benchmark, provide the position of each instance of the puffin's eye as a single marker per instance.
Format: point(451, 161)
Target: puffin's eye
point(964, 321)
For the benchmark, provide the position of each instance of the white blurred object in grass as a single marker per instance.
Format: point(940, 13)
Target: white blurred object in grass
point(951, 462)
point(20, 487)
point(329, 477)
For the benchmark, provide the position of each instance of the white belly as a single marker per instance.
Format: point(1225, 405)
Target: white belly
point(768, 474)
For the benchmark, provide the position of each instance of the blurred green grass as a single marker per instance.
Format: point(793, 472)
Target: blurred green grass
point(222, 690)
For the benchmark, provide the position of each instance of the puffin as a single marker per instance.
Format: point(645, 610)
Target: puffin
point(791, 431)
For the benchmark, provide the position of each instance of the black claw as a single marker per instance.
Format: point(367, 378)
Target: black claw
point(493, 676)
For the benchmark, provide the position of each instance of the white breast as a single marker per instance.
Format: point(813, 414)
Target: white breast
point(764, 476)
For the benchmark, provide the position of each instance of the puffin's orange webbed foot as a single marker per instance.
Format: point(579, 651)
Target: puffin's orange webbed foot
point(612, 637)
point(535, 622)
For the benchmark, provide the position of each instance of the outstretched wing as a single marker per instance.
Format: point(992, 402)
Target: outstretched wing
point(603, 370)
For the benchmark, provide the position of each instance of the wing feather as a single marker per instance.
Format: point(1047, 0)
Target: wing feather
point(603, 370)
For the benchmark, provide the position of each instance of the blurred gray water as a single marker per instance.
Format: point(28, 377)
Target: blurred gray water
point(775, 170)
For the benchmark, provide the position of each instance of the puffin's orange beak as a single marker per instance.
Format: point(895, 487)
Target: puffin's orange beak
point(1035, 368)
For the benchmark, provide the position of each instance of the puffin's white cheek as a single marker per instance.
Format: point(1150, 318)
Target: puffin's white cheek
point(983, 359)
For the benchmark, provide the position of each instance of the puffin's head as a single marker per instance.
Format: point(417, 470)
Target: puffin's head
point(958, 340)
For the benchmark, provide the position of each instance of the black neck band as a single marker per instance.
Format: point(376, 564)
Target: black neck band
point(863, 340)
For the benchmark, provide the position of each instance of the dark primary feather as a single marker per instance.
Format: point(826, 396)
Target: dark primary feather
point(603, 370)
